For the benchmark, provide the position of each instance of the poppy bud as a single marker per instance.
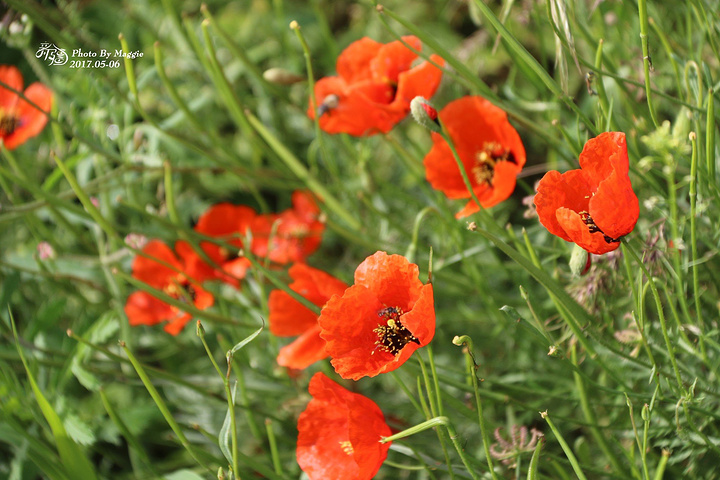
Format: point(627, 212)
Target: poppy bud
point(579, 261)
point(280, 76)
point(424, 113)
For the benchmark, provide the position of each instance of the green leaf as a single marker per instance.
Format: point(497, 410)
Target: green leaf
point(86, 379)
point(224, 436)
point(247, 340)
point(74, 461)
point(79, 430)
point(535, 461)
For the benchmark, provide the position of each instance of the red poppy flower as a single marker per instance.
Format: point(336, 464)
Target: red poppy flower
point(229, 223)
point(489, 147)
point(376, 325)
point(339, 434)
point(289, 318)
point(18, 119)
point(374, 87)
point(298, 233)
point(142, 308)
point(593, 206)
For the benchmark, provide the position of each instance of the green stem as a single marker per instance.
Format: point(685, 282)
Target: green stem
point(273, 447)
point(432, 423)
point(693, 239)
point(311, 86)
point(566, 448)
point(710, 137)
point(434, 412)
point(642, 11)
point(292, 162)
point(518, 52)
point(472, 367)
point(591, 420)
point(627, 248)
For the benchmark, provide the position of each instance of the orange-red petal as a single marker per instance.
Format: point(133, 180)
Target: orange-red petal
point(391, 278)
point(353, 64)
point(348, 323)
point(31, 121)
point(307, 349)
point(593, 206)
point(298, 232)
point(394, 58)
point(142, 308)
point(339, 434)
point(374, 87)
point(473, 124)
point(422, 80)
point(11, 76)
point(159, 267)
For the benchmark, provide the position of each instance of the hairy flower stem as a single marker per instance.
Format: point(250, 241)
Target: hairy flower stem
point(627, 248)
point(466, 342)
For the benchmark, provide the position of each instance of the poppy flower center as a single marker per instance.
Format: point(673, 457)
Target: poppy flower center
point(181, 291)
point(347, 448)
point(392, 335)
point(328, 103)
point(592, 228)
point(8, 123)
point(485, 160)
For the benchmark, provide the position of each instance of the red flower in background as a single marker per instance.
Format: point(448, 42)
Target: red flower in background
point(377, 323)
point(489, 147)
point(593, 206)
point(229, 223)
point(288, 317)
point(339, 434)
point(19, 120)
point(142, 308)
point(374, 87)
point(297, 235)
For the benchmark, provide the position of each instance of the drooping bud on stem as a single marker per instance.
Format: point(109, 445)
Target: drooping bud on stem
point(425, 114)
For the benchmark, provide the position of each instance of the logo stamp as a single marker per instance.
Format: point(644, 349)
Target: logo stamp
point(52, 53)
point(80, 58)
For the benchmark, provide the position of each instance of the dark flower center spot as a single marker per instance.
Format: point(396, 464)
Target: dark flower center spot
point(392, 334)
point(483, 170)
point(328, 103)
point(8, 123)
point(184, 292)
point(592, 228)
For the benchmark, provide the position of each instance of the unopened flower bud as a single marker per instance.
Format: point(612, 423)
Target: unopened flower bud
point(579, 261)
point(45, 251)
point(280, 76)
point(425, 114)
